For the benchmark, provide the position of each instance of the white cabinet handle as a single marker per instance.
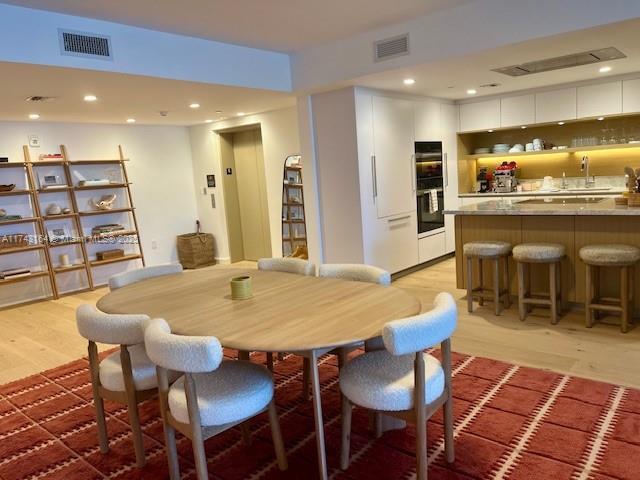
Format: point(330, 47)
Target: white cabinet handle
point(374, 176)
point(413, 173)
point(446, 170)
point(397, 219)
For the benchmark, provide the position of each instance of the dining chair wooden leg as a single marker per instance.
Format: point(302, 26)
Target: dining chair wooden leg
point(377, 424)
point(469, 284)
point(246, 433)
point(276, 435)
point(197, 440)
point(270, 361)
point(342, 357)
point(496, 285)
point(448, 406)
point(98, 402)
point(421, 416)
point(132, 405)
point(522, 312)
point(169, 431)
point(319, 423)
point(306, 378)
point(345, 444)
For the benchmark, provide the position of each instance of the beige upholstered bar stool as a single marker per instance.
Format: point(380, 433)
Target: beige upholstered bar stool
point(546, 253)
point(494, 251)
point(595, 257)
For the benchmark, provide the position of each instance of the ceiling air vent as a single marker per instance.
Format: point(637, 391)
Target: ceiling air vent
point(566, 61)
point(83, 44)
point(391, 47)
point(39, 99)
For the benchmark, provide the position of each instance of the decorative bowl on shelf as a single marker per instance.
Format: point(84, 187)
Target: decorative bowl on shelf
point(7, 188)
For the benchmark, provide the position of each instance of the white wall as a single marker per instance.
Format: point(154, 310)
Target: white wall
point(31, 36)
point(160, 170)
point(279, 139)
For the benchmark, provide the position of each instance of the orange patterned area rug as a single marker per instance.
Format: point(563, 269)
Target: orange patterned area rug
point(511, 423)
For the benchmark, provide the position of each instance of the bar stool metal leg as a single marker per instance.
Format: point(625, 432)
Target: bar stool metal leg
point(624, 298)
point(553, 296)
point(588, 296)
point(496, 284)
point(521, 291)
point(481, 277)
point(469, 284)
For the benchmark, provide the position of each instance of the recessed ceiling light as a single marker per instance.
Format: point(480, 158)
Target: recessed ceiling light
point(600, 119)
point(194, 105)
point(490, 131)
point(241, 114)
point(605, 69)
point(560, 123)
point(408, 81)
point(90, 98)
point(34, 116)
point(472, 91)
point(131, 120)
point(523, 127)
point(208, 120)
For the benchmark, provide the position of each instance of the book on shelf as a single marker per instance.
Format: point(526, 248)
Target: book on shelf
point(14, 273)
point(9, 218)
point(107, 228)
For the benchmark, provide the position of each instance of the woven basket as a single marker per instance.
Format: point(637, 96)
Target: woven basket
point(195, 250)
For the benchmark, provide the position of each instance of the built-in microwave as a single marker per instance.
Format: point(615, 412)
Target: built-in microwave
point(430, 187)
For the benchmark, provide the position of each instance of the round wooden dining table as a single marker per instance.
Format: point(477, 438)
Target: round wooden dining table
point(309, 316)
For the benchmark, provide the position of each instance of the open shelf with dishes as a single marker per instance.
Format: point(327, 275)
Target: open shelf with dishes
point(554, 150)
point(71, 229)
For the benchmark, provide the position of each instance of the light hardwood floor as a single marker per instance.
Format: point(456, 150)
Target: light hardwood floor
point(43, 335)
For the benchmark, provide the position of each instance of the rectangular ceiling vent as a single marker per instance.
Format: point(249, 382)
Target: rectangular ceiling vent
point(566, 61)
point(83, 44)
point(391, 47)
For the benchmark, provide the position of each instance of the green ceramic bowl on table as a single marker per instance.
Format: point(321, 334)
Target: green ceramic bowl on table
point(241, 288)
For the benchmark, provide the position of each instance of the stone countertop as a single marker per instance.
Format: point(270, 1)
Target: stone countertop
point(540, 193)
point(605, 206)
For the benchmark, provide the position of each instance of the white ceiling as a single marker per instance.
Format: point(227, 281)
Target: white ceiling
point(462, 73)
point(123, 96)
point(283, 25)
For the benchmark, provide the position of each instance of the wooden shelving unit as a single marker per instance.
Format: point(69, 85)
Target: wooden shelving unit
point(293, 225)
point(80, 240)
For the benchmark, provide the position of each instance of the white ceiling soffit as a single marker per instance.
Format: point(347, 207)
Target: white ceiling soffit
point(463, 31)
point(281, 25)
point(452, 77)
point(123, 96)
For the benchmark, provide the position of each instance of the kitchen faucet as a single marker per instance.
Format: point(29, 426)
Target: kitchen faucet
point(584, 167)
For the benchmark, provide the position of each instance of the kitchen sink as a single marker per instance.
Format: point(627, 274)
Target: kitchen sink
point(561, 201)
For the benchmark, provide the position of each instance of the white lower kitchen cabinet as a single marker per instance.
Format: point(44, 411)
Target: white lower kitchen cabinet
point(432, 247)
point(392, 243)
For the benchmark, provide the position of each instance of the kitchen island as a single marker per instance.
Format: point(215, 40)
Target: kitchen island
point(572, 222)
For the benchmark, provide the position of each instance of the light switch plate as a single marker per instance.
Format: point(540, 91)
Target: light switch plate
point(34, 141)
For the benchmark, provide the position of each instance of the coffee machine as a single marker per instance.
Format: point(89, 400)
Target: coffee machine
point(505, 177)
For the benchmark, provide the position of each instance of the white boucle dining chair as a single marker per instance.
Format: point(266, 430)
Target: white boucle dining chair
point(404, 382)
point(212, 396)
point(355, 272)
point(126, 376)
point(286, 265)
point(132, 276)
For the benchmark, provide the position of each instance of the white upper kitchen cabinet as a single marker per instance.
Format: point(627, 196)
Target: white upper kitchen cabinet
point(517, 111)
point(480, 115)
point(427, 121)
point(393, 162)
point(556, 105)
point(600, 99)
point(631, 96)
